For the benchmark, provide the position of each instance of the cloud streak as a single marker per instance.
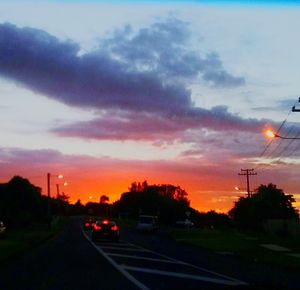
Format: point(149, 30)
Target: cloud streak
point(136, 82)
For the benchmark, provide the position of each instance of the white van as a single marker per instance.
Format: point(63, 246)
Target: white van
point(147, 223)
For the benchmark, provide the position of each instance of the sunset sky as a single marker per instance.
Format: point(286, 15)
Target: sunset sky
point(180, 92)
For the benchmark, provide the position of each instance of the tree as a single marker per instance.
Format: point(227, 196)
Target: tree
point(63, 197)
point(168, 201)
point(104, 199)
point(269, 202)
point(21, 202)
point(78, 208)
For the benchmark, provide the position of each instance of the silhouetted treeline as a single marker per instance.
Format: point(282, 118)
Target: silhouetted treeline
point(269, 202)
point(22, 203)
point(167, 201)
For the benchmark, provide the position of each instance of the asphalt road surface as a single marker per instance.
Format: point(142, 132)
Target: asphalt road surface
point(71, 261)
point(66, 262)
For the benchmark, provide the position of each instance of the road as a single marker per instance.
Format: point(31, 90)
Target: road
point(71, 261)
point(66, 262)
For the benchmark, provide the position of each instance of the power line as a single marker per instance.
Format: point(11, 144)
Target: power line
point(263, 166)
point(278, 131)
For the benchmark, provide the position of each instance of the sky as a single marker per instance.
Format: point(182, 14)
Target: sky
point(172, 92)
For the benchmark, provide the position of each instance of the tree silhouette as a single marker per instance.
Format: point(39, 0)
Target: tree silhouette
point(168, 201)
point(21, 202)
point(268, 202)
point(104, 199)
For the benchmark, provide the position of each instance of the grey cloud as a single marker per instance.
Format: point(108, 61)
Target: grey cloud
point(54, 68)
point(136, 75)
point(163, 48)
point(279, 106)
point(165, 127)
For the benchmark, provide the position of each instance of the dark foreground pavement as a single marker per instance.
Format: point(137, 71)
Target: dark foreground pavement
point(66, 262)
point(258, 276)
point(70, 262)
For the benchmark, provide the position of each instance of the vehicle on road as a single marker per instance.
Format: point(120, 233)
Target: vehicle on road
point(185, 224)
point(105, 229)
point(89, 224)
point(147, 223)
point(2, 229)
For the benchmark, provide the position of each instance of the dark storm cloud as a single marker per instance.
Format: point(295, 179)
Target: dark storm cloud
point(138, 78)
point(54, 68)
point(138, 72)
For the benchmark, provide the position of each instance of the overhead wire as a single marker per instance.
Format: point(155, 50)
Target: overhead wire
point(262, 166)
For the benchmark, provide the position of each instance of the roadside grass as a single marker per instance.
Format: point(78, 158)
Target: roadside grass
point(17, 241)
point(246, 245)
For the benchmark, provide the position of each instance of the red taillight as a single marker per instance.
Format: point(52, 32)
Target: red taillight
point(97, 228)
point(114, 228)
point(87, 224)
point(105, 222)
point(93, 224)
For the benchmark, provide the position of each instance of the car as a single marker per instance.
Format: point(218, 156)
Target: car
point(147, 223)
point(105, 230)
point(89, 224)
point(2, 229)
point(185, 224)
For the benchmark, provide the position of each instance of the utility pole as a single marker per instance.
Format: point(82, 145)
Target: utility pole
point(247, 173)
point(294, 109)
point(48, 206)
point(57, 189)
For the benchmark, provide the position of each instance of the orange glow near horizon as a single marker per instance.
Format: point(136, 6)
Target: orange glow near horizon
point(209, 198)
point(208, 188)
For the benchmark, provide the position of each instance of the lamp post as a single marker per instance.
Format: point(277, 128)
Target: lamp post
point(271, 134)
point(57, 188)
point(49, 175)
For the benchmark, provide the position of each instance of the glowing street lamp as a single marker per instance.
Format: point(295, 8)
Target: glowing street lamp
point(271, 134)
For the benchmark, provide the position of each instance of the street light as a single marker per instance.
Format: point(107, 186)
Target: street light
point(271, 134)
point(57, 188)
point(49, 175)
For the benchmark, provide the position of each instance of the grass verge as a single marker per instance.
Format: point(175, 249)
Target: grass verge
point(246, 245)
point(17, 241)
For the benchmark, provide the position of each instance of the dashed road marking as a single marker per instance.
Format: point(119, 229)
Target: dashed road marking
point(143, 258)
point(124, 269)
point(124, 272)
point(124, 249)
point(182, 275)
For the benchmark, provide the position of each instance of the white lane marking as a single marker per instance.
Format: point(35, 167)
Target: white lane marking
point(195, 267)
point(143, 258)
point(159, 254)
point(124, 249)
point(117, 244)
point(239, 282)
point(183, 275)
point(120, 269)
